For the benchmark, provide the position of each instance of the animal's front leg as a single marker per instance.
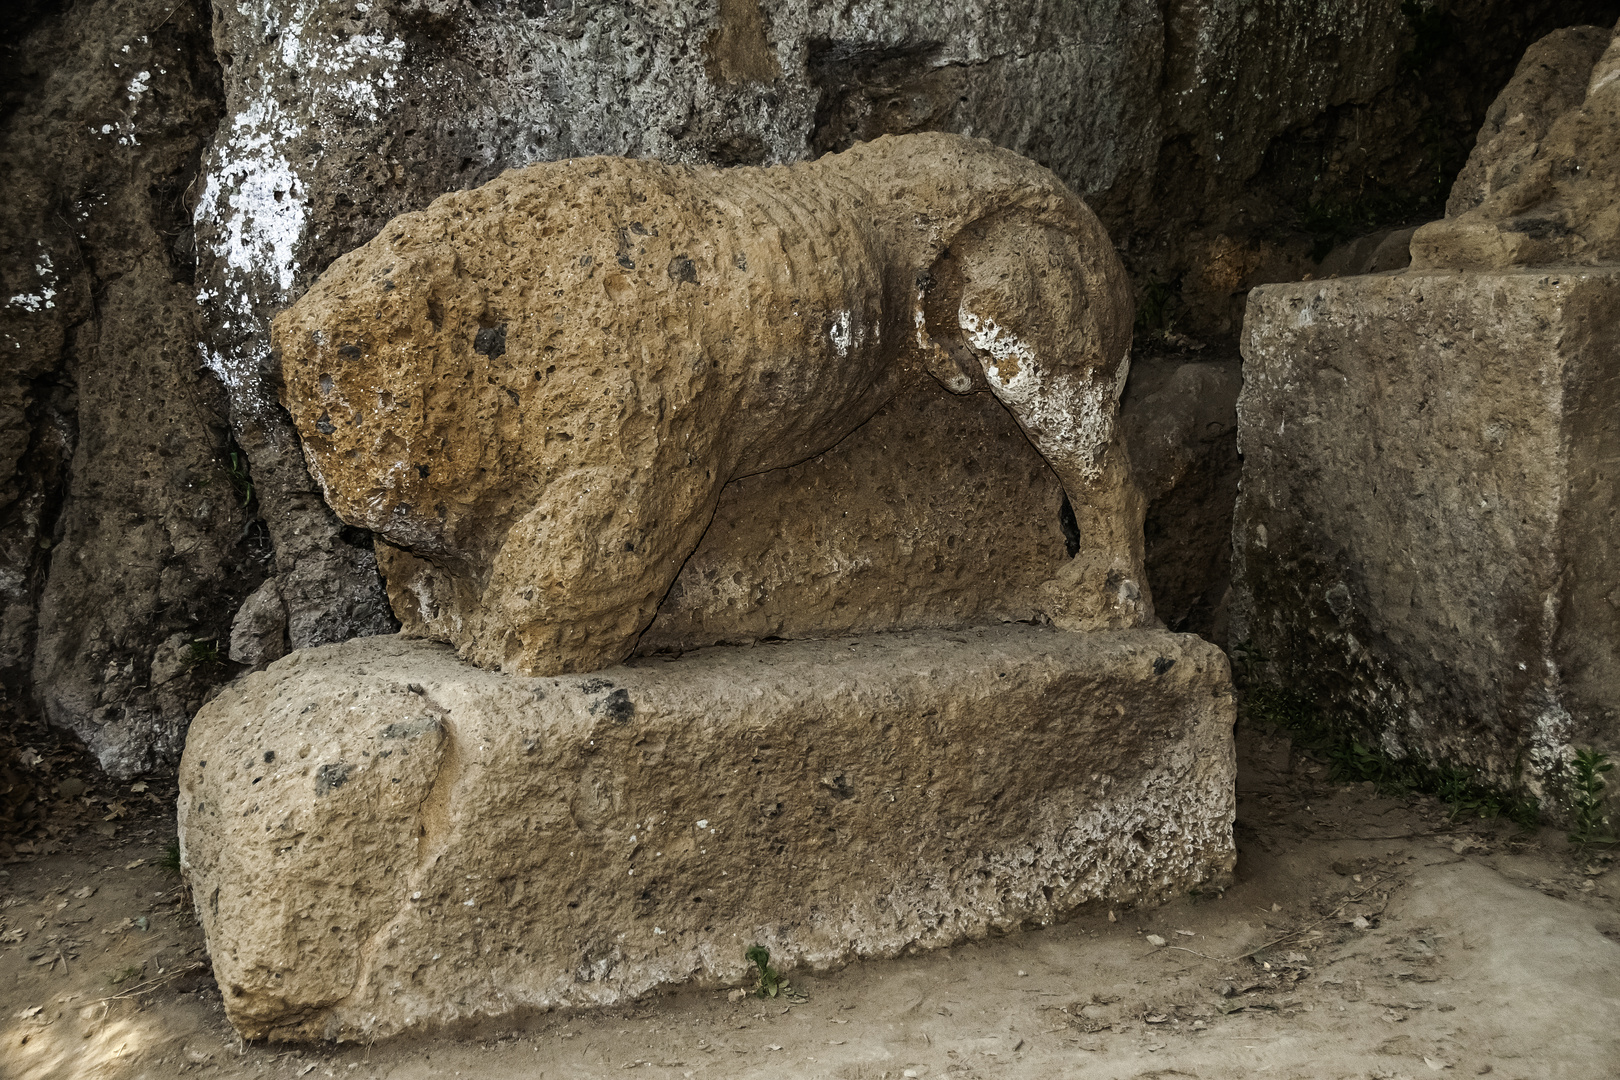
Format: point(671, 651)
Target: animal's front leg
point(1071, 418)
point(1048, 317)
point(1104, 587)
point(581, 575)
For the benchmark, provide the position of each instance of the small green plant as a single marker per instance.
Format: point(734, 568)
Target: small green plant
point(202, 653)
point(170, 862)
point(1591, 824)
point(771, 982)
point(236, 468)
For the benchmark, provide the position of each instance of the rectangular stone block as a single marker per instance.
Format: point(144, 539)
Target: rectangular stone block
point(380, 836)
point(1426, 538)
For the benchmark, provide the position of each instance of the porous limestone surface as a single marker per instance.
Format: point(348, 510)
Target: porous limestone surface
point(1542, 186)
point(1427, 538)
point(535, 392)
point(936, 513)
point(380, 836)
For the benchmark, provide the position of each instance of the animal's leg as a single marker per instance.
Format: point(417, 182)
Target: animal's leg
point(1048, 315)
point(581, 575)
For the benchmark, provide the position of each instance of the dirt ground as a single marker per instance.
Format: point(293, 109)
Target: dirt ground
point(1365, 937)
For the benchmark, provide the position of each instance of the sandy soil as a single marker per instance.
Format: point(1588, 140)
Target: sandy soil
point(1365, 937)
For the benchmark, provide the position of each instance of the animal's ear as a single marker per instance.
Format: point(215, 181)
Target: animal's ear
point(1053, 288)
point(945, 352)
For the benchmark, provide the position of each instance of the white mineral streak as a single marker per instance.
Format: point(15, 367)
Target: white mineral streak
point(253, 199)
point(45, 296)
point(139, 85)
point(1551, 750)
point(1069, 417)
point(840, 334)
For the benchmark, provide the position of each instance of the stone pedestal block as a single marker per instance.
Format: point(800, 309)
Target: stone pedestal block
point(380, 836)
point(1426, 539)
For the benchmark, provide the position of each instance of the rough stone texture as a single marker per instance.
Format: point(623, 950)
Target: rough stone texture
point(536, 391)
point(1179, 419)
point(1426, 539)
point(1543, 187)
point(381, 836)
point(937, 512)
point(259, 631)
point(1550, 80)
point(120, 530)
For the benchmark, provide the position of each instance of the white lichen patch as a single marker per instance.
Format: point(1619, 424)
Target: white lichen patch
point(252, 211)
point(1069, 415)
point(255, 198)
point(356, 71)
point(840, 334)
point(139, 85)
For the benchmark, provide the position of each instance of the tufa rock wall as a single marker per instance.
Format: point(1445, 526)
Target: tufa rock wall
point(127, 533)
point(1425, 540)
point(1199, 131)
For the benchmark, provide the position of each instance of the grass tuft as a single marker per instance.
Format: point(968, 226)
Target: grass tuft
point(170, 862)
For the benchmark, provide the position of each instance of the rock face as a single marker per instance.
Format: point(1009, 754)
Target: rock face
point(538, 389)
point(381, 836)
point(1543, 188)
point(125, 522)
point(1426, 537)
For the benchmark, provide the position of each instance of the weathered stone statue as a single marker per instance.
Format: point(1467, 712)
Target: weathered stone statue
point(533, 392)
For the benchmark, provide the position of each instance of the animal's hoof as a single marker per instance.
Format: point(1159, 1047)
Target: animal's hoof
point(1088, 595)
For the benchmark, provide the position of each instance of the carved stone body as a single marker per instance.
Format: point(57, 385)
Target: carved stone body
point(533, 392)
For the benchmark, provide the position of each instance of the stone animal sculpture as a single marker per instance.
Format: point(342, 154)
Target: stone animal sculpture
point(533, 392)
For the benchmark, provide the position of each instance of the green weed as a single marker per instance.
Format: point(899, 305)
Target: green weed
point(1591, 824)
point(771, 982)
point(1155, 306)
point(203, 653)
point(236, 468)
point(170, 862)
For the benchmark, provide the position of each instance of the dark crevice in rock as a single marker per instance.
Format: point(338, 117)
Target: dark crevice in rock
point(116, 634)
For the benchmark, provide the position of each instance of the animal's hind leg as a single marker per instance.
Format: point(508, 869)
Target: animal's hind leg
point(1048, 314)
